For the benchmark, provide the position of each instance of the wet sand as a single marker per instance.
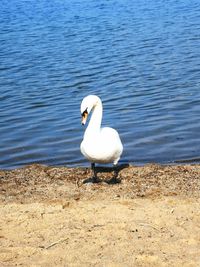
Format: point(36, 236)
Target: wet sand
point(50, 217)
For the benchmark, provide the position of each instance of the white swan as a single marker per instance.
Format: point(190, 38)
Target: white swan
point(99, 145)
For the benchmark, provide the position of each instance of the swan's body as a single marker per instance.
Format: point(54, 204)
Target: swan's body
point(99, 145)
point(102, 147)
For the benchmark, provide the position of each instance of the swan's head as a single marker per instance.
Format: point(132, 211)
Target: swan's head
point(87, 105)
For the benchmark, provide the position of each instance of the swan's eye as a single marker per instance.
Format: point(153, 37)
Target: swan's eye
point(85, 113)
point(84, 116)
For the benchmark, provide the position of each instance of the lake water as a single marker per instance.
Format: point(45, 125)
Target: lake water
point(141, 57)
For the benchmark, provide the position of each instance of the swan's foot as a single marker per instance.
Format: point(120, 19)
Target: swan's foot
point(94, 179)
point(114, 179)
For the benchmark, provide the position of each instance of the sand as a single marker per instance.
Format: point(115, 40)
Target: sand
point(49, 217)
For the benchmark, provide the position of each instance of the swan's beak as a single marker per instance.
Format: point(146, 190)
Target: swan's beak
point(84, 118)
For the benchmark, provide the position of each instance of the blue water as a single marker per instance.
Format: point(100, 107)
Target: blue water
point(141, 57)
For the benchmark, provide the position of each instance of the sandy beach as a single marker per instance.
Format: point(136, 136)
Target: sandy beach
point(50, 217)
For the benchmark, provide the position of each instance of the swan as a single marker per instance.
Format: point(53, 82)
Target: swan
point(99, 145)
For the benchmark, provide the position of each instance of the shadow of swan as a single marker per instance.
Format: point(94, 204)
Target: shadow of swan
point(102, 169)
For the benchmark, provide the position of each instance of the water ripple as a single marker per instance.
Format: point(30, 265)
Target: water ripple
point(142, 59)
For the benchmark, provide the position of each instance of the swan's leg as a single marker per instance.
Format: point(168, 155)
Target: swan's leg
point(115, 173)
point(114, 179)
point(94, 171)
point(95, 179)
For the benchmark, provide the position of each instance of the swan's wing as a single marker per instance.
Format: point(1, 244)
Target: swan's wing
point(108, 133)
point(104, 147)
point(112, 139)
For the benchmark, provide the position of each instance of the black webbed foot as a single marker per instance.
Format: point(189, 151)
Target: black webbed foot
point(93, 179)
point(114, 179)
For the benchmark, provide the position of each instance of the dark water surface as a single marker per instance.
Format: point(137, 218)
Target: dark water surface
point(141, 57)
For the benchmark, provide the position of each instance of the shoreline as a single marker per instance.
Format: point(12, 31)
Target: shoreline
point(151, 180)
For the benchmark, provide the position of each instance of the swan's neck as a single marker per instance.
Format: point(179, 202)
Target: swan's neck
point(95, 121)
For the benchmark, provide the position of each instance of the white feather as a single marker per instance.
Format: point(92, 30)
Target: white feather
point(99, 145)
